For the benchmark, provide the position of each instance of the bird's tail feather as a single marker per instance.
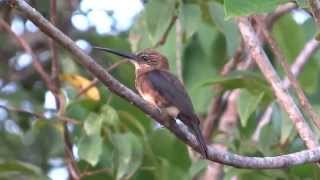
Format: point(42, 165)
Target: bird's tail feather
point(193, 124)
point(203, 147)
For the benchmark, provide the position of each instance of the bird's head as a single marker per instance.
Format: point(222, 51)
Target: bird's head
point(146, 59)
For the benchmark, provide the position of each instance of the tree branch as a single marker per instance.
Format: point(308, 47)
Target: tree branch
point(306, 106)
point(163, 38)
point(315, 9)
point(95, 80)
point(55, 70)
point(309, 49)
point(179, 65)
point(179, 130)
point(286, 101)
point(35, 61)
point(39, 115)
point(217, 104)
point(279, 12)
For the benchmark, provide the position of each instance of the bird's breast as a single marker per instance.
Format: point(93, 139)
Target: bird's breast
point(148, 93)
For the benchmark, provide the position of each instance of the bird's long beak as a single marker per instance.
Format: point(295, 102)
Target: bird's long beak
point(130, 56)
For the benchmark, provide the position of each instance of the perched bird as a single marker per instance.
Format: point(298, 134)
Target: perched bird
point(159, 87)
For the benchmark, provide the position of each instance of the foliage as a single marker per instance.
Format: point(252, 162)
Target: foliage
point(115, 135)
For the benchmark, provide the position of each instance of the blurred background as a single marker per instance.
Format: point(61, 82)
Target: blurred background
point(111, 138)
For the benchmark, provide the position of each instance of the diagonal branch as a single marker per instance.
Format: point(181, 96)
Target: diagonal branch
point(285, 100)
point(179, 130)
point(55, 70)
point(35, 61)
point(306, 106)
point(309, 49)
point(315, 9)
point(163, 38)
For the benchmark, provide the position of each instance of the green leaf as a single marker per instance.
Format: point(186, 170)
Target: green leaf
point(269, 137)
point(190, 17)
point(305, 171)
point(248, 7)
point(109, 115)
point(251, 81)
point(284, 29)
point(129, 154)
point(92, 124)
point(19, 167)
point(197, 67)
point(302, 3)
point(158, 16)
point(166, 146)
point(90, 148)
point(286, 127)
point(227, 27)
point(247, 104)
point(197, 167)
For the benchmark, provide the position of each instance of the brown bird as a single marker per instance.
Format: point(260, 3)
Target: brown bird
point(159, 87)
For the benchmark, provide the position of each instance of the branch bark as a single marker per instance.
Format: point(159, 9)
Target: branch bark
point(309, 49)
point(179, 130)
point(306, 105)
point(55, 70)
point(286, 101)
point(315, 9)
point(35, 61)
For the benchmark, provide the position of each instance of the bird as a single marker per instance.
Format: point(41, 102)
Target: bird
point(158, 86)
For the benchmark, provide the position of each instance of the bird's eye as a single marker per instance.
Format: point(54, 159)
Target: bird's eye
point(145, 58)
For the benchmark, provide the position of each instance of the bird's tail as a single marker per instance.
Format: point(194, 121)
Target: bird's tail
point(193, 123)
point(203, 146)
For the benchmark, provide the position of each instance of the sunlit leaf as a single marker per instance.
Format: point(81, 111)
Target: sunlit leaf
point(227, 27)
point(190, 18)
point(129, 154)
point(109, 115)
point(79, 82)
point(252, 82)
point(248, 7)
point(20, 167)
point(90, 148)
point(158, 16)
point(92, 124)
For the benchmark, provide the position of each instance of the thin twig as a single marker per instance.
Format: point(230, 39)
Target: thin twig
point(95, 80)
point(263, 121)
point(55, 70)
point(306, 106)
point(179, 65)
point(309, 49)
point(163, 38)
point(73, 170)
point(39, 115)
point(217, 104)
point(35, 61)
point(285, 100)
point(91, 173)
point(70, 160)
point(315, 10)
point(179, 130)
point(279, 12)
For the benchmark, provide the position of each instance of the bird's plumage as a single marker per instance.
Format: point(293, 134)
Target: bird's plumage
point(159, 87)
point(165, 90)
point(171, 89)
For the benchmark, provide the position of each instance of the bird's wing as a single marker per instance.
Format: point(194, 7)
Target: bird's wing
point(169, 87)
